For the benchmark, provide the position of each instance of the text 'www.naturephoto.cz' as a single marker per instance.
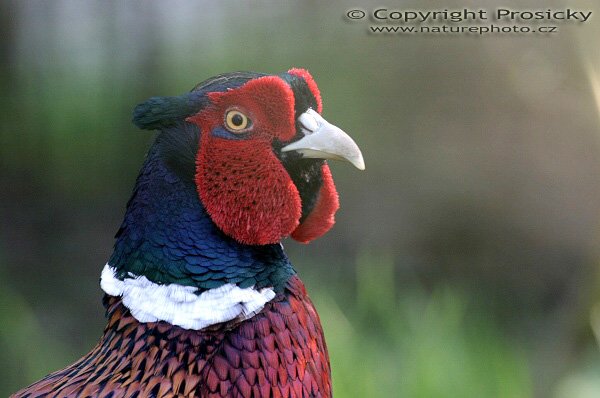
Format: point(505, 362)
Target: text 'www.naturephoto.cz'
point(499, 20)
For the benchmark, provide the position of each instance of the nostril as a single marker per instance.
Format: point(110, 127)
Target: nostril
point(306, 131)
point(308, 122)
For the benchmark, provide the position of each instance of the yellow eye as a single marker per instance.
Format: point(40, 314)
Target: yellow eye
point(236, 121)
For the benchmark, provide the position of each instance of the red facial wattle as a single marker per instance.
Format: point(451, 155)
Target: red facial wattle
point(312, 85)
point(242, 184)
point(246, 191)
point(321, 218)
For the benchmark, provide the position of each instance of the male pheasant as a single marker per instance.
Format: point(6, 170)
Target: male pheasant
point(201, 299)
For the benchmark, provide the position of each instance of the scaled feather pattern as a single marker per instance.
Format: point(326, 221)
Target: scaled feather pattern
point(280, 352)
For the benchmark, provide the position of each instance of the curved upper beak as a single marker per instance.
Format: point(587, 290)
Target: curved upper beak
point(323, 140)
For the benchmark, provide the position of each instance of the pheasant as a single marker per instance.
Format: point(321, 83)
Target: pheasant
point(200, 296)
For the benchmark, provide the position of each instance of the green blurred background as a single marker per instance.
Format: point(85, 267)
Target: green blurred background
point(464, 261)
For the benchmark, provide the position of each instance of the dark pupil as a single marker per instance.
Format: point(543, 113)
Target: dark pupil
point(237, 120)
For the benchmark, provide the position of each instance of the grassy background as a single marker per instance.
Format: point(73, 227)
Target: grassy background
point(464, 261)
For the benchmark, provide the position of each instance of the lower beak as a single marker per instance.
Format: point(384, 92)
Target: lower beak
point(323, 140)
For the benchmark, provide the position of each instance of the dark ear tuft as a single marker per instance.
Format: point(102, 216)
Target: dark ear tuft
point(160, 112)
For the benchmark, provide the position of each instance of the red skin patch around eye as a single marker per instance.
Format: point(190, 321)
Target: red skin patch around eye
point(303, 73)
point(241, 183)
point(268, 101)
point(321, 218)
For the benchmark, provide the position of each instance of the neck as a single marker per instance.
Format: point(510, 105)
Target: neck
point(171, 263)
point(168, 237)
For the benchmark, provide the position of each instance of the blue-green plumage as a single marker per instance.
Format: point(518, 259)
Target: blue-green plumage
point(168, 237)
point(166, 234)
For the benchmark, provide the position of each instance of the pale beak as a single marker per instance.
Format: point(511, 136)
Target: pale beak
point(323, 140)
